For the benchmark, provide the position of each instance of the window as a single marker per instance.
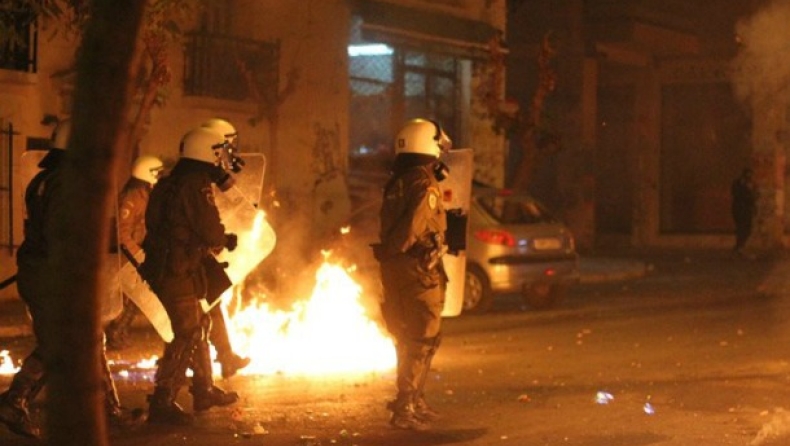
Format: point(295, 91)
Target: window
point(516, 210)
point(391, 84)
point(231, 68)
point(223, 66)
point(18, 47)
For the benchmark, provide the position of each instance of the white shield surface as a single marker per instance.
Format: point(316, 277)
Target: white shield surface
point(135, 288)
point(242, 216)
point(456, 194)
point(112, 304)
point(239, 212)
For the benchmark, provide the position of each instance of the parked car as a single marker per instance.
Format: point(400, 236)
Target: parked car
point(515, 244)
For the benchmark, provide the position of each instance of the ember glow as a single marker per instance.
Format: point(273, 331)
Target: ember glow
point(6, 364)
point(327, 334)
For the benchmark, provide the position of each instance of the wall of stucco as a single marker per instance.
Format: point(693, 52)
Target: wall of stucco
point(306, 145)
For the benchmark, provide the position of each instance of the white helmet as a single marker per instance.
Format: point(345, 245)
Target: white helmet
point(147, 168)
point(61, 135)
point(422, 136)
point(224, 127)
point(232, 162)
point(204, 144)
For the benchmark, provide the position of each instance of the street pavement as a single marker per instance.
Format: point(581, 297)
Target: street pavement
point(339, 411)
point(592, 269)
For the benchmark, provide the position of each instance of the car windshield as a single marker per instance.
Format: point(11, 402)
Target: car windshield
point(511, 210)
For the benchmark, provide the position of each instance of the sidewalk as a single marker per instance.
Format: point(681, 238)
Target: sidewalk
point(594, 269)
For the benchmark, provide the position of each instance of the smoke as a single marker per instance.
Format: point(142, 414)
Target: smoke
point(761, 69)
point(778, 427)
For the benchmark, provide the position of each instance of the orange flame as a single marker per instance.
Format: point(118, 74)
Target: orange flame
point(327, 334)
point(6, 364)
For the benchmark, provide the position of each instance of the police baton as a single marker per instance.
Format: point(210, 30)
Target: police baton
point(130, 257)
point(8, 282)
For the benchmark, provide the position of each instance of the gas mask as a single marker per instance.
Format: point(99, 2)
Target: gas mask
point(440, 171)
point(222, 178)
point(229, 161)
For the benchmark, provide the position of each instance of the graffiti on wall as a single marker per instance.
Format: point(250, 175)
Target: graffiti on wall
point(326, 153)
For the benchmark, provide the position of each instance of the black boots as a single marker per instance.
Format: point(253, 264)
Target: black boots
point(14, 414)
point(205, 394)
point(26, 384)
point(163, 409)
point(206, 397)
point(423, 411)
point(218, 336)
point(231, 364)
point(117, 330)
point(122, 418)
point(404, 415)
point(119, 417)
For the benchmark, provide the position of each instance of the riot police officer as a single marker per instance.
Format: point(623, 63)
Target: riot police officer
point(183, 233)
point(130, 232)
point(413, 224)
point(32, 264)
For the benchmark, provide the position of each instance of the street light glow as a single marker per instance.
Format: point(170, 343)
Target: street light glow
point(375, 49)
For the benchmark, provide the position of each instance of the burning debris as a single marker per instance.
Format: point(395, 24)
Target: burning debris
point(6, 364)
point(328, 333)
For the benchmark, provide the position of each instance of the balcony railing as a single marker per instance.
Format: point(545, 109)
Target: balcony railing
point(231, 68)
point(18, 49)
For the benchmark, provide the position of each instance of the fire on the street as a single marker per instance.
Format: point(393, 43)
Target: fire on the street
point(6, 364)
point(328, 333)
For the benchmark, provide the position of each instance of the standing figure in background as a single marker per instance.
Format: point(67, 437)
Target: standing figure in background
point(744, 207)
point(132, 202)
point(183, 234)
point(413, 225)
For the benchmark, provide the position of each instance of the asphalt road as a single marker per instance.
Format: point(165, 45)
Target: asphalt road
point(694, 353)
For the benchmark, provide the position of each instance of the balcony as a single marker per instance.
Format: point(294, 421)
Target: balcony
point(231, 68)
point(637, 30)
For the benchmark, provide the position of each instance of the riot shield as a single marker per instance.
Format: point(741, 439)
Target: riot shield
point(456, 195)
point(133, 287)
point(238, 207)
point(241, 215)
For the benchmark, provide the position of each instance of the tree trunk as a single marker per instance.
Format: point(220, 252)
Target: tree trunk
point(533, 117)
point(75, 403)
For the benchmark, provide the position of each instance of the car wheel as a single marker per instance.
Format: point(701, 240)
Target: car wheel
point(541, 296)
point(478, 298)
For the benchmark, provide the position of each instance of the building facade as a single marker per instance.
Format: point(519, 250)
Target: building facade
point(319, 87)
point(654, 121)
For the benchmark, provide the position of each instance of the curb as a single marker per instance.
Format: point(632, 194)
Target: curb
point(600, 270)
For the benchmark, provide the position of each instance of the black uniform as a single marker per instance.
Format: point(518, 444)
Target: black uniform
point(744, 206)
point(32, 264)
point(413, 224)
point(183, 232)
